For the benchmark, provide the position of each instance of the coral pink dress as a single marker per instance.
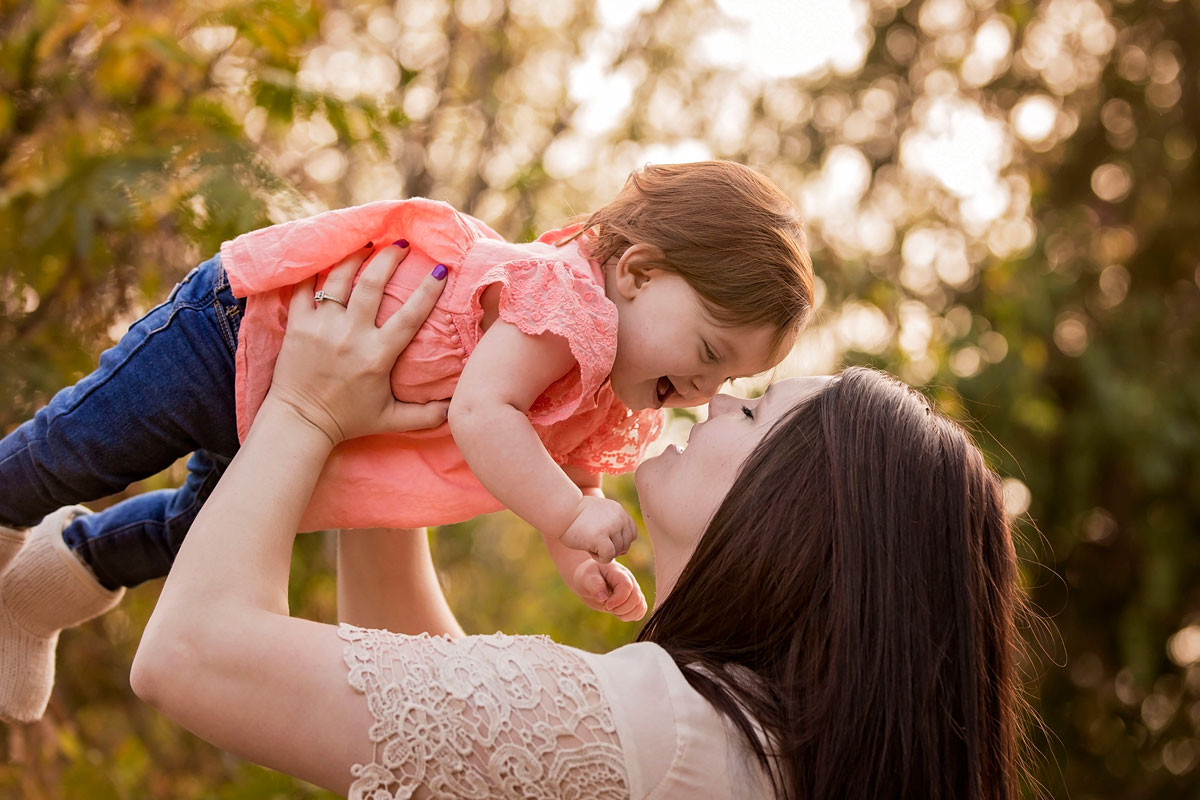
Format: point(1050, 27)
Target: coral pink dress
point(420, 478)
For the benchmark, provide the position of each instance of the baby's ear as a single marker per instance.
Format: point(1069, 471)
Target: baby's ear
point(635, 267)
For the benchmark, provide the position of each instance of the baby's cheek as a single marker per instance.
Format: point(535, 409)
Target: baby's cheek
point(619, 386)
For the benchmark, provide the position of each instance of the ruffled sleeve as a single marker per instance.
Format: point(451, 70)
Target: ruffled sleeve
point(619, 440)
point(285, 254)
point(546, 295)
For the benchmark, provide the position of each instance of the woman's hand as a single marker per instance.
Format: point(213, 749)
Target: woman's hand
point(333, 369)
point(220, 655)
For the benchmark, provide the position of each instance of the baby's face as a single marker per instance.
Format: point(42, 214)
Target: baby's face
point(670, 353)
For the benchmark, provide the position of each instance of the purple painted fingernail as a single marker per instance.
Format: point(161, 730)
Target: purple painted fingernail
point(401, 243)
point(370, 245)
point(439, 272)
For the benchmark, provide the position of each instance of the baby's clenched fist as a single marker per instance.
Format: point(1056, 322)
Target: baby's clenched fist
point(601, 527)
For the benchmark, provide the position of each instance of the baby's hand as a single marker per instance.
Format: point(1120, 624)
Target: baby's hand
point(609, 587)
point(601, 527)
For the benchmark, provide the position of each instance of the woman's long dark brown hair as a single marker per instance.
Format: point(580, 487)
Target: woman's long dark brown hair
point(863, 569)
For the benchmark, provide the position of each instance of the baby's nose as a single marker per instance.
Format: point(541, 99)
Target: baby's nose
point(707, 386)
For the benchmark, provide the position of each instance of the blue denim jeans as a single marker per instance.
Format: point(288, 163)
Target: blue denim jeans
point(165, 390)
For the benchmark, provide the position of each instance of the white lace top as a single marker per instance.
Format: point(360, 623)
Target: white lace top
point(524, 717)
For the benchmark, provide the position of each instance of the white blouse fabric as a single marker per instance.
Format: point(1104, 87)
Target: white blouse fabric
point(524, 717)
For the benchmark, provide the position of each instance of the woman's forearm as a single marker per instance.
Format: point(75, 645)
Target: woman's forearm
point(386, 579)
point(210, 655)
point(238, 550)
point(220, 655)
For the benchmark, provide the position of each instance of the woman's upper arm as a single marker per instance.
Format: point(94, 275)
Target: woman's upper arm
point(475, 716)
point(269, 688)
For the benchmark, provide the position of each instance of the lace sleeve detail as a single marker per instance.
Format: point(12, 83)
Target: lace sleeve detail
point(541, 295)
point(481, 717)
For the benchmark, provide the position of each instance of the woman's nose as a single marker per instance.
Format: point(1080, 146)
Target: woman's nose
point(721, 403)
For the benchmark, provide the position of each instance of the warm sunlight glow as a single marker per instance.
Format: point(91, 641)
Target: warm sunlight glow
point(786, 38)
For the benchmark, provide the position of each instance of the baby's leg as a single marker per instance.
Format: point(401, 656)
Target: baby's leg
point(164, 390)
point(45, 588)
point(137, 539)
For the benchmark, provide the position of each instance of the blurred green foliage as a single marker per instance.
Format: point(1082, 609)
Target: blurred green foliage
point(135, 137)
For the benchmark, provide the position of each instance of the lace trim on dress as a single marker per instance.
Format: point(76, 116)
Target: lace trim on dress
point(619, 442)
point(481, 717)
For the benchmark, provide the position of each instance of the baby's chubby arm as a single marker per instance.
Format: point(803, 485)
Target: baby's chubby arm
point(505, 374)
point(607, 587)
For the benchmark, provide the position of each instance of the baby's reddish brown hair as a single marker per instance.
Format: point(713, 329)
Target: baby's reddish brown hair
point(727, 230)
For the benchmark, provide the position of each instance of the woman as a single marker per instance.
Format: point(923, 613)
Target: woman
point(839, 587)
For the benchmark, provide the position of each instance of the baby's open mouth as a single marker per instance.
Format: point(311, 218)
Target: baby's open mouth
point(663, 390)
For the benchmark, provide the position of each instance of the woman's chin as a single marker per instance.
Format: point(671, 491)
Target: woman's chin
point(643, 475)
point(663, 457)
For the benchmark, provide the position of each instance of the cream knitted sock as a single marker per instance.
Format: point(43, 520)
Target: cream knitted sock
point(45, 589)
point(11, 540)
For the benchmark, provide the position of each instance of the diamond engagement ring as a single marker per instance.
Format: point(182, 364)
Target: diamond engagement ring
point(323, 295)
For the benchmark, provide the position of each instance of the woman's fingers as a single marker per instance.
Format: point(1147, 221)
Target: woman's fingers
point(404, 324)
point(368, 290)
point(302, 297)
point(417, 416)
point(340, 279)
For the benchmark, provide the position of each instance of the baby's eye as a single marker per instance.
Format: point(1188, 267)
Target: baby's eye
point(749, 412)
point(709, 355)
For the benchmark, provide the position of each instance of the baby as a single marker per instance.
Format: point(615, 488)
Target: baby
point(558, 356)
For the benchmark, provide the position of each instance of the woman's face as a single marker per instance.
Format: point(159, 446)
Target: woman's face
point(682, 488)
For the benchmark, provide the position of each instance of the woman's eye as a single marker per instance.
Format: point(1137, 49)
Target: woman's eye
point(709, 355)
point(749, 412)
